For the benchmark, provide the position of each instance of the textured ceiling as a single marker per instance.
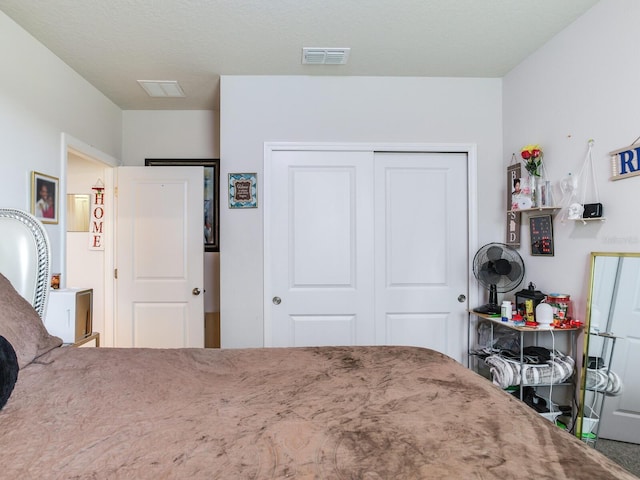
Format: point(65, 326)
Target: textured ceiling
point(113, 43)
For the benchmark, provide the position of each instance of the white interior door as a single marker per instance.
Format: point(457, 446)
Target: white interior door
point(367, 248)
point(621, 414)
point(421, 245)
point(321, 257)
point(159, 257)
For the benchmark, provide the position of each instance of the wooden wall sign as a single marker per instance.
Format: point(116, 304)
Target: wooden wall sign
point(96, 222)
point(625, 162)
point(514, 172)
point(513, 228)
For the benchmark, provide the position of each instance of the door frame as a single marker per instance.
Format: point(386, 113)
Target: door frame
point(470, 149)
point(68, 144)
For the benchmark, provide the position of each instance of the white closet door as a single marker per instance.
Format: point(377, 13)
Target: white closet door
point(366, 248)
point(321, 251)
point(421, 250)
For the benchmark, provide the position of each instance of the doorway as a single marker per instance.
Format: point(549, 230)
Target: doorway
point(211, 222)
point(82, 167)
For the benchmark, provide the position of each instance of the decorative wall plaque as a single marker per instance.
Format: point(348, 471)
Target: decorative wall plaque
point(243, 190)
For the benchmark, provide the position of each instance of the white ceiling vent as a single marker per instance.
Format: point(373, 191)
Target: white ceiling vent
point(162, 88)
point(325, 56)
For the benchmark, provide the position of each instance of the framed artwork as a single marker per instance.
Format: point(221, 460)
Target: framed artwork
point(541, 231)
point(243, 190)
point(518, 188)
point(44, 197)
point(514, 175)
point(211, 180)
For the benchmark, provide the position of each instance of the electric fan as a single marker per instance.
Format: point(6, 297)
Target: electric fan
point(500, 269)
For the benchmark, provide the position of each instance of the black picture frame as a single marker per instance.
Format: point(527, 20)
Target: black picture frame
point(541, 233)
point(211, 194)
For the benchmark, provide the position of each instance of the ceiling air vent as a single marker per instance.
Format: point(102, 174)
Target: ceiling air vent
point(162, 88)
point(325, 56)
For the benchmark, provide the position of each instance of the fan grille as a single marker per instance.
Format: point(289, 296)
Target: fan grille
point(499, 265)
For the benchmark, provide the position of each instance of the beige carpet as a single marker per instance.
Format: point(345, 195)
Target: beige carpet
point(624, 454)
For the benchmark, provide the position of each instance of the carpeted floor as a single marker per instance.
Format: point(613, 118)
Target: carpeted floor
point(624, 454)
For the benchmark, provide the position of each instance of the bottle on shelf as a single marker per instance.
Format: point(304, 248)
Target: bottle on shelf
point(505, 310)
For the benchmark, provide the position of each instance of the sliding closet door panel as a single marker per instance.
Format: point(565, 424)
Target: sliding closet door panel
point(421, 249)
point(321, 258)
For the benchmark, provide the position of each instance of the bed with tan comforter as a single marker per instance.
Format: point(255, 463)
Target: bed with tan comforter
point(306, 413)
point(324, 413)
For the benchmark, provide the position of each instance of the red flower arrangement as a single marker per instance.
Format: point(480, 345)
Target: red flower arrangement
point(532, 155)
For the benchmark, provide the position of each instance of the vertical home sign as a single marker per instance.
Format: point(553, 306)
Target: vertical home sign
point(96, 221)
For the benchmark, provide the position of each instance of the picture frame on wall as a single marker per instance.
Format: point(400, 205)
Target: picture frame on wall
point(243, 190)
point(44, 197)
point(211, 225)
point(541, 232)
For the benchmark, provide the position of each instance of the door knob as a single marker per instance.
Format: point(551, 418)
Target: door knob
point(461, 298)
point(276, 300)
point(196, 291)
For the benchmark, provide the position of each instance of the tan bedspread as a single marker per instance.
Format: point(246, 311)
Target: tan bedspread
point(308, 413)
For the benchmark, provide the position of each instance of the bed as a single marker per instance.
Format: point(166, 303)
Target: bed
point(351, 412)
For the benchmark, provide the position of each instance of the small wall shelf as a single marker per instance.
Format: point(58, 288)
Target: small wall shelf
point(585, 220)
point(534, 210)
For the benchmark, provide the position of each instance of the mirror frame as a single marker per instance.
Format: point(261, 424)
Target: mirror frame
point(587, 330)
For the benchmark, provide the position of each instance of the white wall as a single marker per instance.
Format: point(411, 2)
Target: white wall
point(582, 84)
point(187, 134)
point(40, 98)
point(169, 134)
point(258, 109)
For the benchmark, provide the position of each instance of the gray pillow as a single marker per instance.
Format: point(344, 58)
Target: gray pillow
point(21, 325)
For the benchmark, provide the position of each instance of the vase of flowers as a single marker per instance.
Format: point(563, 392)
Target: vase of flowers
point(532, 155)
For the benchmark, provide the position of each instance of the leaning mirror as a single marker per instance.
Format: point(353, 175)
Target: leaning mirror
point(610, 389)
point(78, 212)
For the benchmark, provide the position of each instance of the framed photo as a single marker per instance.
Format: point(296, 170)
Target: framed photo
point(211, 180)
point(514, 182)
point(243, 190)
point(44, 197)
point(521, 193)
point(541, 231)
